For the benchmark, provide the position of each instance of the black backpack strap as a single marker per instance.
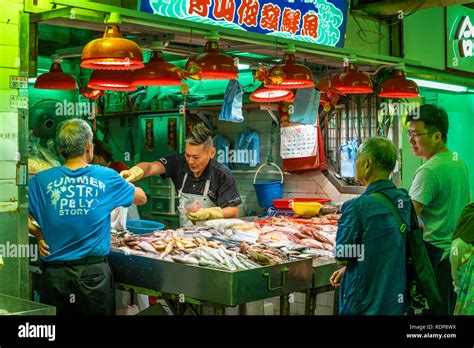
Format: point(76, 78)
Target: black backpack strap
point(401, 225)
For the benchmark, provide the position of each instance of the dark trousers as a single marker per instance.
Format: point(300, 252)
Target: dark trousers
point(79, 290)
point(442, 270)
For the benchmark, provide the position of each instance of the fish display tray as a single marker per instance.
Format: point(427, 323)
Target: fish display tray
point(211, 285)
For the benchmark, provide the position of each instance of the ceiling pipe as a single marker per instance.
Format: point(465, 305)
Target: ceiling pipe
point(392, 8)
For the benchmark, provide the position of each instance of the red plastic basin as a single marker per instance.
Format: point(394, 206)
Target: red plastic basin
point(285, 203)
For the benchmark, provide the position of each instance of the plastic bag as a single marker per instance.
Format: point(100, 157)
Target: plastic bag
point(306, 106)
point(118, 219)
point(232, 106)
point(348, 158)
point(222, 145)
point(247, 148)
point(39, 158)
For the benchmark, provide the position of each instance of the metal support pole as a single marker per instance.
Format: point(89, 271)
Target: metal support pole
point(336, 302)
point(219, 310)
point(243, 309)
point(311, 300)
point(285, 304)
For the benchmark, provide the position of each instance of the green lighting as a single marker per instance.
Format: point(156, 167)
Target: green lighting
point(439, 85)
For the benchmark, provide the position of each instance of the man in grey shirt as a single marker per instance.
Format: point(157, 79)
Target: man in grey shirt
point(440, 191)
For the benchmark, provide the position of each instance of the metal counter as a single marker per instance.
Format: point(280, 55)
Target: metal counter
point(323, 268)
point(219, 288)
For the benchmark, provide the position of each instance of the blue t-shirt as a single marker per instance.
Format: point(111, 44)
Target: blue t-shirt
point(73, 209)
point(369, 238)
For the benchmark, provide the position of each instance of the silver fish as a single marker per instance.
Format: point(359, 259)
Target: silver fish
point(147, 247)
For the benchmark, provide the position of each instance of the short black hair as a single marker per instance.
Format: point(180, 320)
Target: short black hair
point(382, 151)
point(434, 117)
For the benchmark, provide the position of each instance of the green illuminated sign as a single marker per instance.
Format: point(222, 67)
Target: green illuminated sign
point(460, 38)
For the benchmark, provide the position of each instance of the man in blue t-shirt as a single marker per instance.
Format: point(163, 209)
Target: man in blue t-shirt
point(369, 242)
point(72, 205)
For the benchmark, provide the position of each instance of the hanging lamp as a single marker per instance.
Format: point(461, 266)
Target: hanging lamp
point(399, 87)
point(214, 65)
point(292, 75)
point(55, 78)
point(157, 72)
point(291, 98)
point(90, 93)
point(352, 82)
point(112, 52)
point(270, 95)
point(111, 80)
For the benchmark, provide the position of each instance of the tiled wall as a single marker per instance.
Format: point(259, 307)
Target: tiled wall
point(324, 304)
point(312, 184)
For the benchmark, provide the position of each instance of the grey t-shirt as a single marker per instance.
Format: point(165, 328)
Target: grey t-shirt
point(442, 186)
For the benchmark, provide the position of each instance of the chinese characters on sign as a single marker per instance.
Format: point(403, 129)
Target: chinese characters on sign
point(8, 135)
point(465, 35)
point(316, 21)
point(460, 38)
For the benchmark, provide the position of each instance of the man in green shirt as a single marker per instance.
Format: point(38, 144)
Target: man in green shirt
point(440, 191)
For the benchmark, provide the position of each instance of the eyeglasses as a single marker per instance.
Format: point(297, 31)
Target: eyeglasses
point(416, 135)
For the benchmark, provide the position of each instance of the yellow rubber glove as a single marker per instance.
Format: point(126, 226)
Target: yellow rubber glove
point(133, 174)
point(206, 214)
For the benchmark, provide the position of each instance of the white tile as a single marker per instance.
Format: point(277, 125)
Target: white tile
point(290, 186)
point(300, 297)
point(331, 191)
point(320, 179)
point(321, 300)
point(323, 310)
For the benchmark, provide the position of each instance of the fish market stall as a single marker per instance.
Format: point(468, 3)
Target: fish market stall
point(319, 234)
point(211, 287)
point(227, 262)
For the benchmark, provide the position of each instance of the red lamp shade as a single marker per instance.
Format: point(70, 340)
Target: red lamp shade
point(111, 80)
point(270, 95)
point(399, 87)
point(112, 52)
point(213, 64)
point(291, 98)
point(91, 93)
point(55, 79)
point(352, 82)
point(157, 72)
point(293, 75)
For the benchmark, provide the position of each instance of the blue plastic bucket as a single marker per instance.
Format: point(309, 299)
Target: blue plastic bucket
point(143, 226)
point(267, 191)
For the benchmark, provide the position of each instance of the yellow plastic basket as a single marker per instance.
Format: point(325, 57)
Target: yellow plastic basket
point(306, 208)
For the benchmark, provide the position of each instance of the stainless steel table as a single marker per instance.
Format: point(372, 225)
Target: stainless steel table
point(187, 284)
